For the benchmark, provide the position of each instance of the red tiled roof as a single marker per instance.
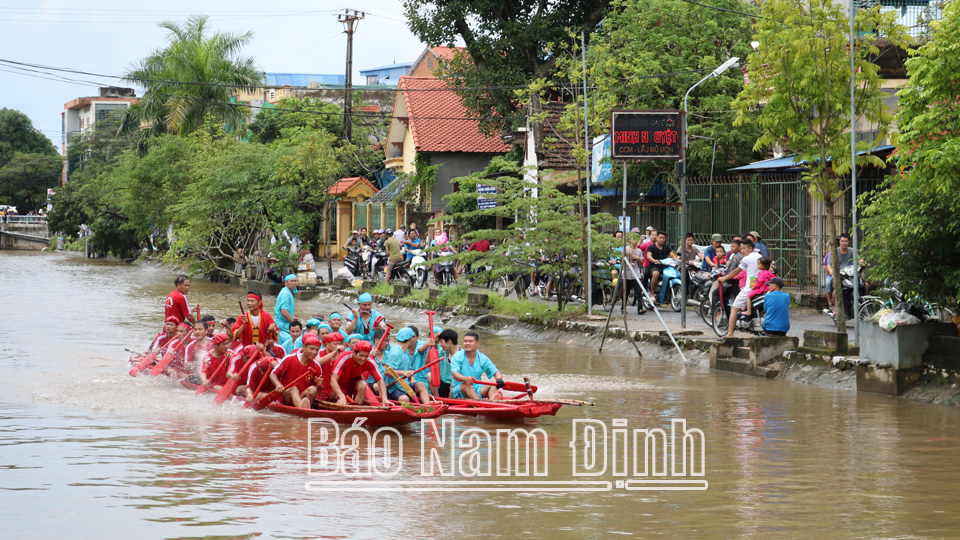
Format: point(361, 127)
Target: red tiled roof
point(344, 185)
point(557, 152)
point(430, 111)
point(447, 53)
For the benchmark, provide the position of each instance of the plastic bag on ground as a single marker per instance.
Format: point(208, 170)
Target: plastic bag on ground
point(345, 273)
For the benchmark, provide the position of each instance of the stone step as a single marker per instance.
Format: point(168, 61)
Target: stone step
point(742, 352)
point(735, 365)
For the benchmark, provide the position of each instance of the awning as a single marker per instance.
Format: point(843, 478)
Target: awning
point(789, 162)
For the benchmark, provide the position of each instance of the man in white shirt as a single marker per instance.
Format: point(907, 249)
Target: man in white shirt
point(400, 235)
point(748, 265)
point(307, 259)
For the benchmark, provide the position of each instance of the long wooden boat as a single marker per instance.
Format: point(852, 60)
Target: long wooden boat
point(394, 416)
point(501, 411)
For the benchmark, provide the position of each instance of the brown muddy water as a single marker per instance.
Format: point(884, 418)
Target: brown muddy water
point(88, 452)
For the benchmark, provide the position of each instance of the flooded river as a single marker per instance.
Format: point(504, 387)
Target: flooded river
point(89, 452)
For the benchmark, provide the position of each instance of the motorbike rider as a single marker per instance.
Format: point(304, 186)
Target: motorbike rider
point(655, 254)
point(632, 273)
point(353, 242)
point(846, 255)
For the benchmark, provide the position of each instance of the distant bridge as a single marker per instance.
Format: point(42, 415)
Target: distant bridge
point(24, 232)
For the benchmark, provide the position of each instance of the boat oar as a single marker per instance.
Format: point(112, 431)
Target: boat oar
point(263, 379)
point(509, 386)
point(169, 355)
point(383, 338)
point(338, 407)
point(403, 384)
point(576, 402)
point(231, 384)
point(274, 395)
point(143, 364)
point(223, 365)
point(526, 382)
point(432, 355)
point(427, 366)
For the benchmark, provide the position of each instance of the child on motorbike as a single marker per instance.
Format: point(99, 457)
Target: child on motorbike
point(759, 286)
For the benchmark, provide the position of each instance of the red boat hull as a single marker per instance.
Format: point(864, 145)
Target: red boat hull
point(501, 411)
point(393, 417)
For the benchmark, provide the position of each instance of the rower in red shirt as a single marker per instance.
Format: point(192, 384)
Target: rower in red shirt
point(350, 374)
point(252, 328)
point(333, 348)
point(260, 369)
point(217, 357)
point(176, 305)
point(272, 349)
point(195, 354)
point(169, 332)
point(292, 367)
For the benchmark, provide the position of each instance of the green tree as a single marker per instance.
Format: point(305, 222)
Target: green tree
point(506, 44)
point(17, 134)
point(912, 230)
point(25, 179)
point(798, 91)
point(193, 77)
point(302, 114)
point(307, 166)
point(631, 50)
point(549, 234)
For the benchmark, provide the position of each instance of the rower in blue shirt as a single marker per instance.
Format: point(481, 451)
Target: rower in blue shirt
point(467, 366)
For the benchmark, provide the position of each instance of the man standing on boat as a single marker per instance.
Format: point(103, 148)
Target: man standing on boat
point(367, 321)
point(253, 326)
point(467, 366)
point(350, 375)
point(292, 367)
point(283, 311)
point(176, 305)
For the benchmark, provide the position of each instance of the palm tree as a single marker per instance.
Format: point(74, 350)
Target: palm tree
point(194, 77)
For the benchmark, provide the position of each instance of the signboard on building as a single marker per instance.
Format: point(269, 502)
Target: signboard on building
point(647, 135)
point(483, 202)
point(601, 167)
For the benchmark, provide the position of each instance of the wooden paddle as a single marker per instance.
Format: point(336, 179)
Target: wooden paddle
point(510, 386)
point(256, 393)
point(231, 385)
point(403, 384)
point(203, 387)
point(274, 395)
point(168, 356)
point(414, 372)
point(432, 354)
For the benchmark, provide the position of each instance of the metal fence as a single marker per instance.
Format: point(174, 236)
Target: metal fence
point(23, 219)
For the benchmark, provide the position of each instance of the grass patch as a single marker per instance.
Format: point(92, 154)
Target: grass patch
point(541, 312)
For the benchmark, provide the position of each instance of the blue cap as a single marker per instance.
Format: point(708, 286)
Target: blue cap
point(327, 326)
point(289, 277)
point(335, 315)
point(352, 337)
point(313, 322)
point(437, 329)
point(365, 297)
point(405, 334)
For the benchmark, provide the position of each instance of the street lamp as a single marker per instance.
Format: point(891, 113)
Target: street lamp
point(683, 189)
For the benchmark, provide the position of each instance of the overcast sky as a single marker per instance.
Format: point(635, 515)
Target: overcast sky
point(107, 36)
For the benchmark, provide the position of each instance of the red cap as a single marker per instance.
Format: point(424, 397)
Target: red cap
point(263, 364)
point(332, 337)
point(363, 346)
point(171, 319)
point(311, 339)
point(249, 350)
point(220, 338)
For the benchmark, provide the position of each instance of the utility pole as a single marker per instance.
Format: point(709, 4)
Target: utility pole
point(350, 18)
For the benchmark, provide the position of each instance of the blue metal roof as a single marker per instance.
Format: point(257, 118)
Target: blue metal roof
point(787, 162)
point(304, 79)
point(399, 65)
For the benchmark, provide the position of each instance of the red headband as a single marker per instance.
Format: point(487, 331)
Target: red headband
point(255, 296)
point(363, 346)
point(185, 325)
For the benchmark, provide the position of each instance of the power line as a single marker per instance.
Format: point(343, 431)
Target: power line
point(753, 15)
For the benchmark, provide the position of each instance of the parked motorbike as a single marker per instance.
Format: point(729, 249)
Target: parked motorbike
point(444, 271)
point(419, 268)
point(353, 262)
point(846, 288)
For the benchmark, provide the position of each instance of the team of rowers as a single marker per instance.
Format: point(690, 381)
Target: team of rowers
point(342, 354)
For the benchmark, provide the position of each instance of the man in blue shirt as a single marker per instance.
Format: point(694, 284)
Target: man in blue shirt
point(466, 367)
point(776, 304)
point(365, 320)
point(710, 254)
point(283, 312)
point(757, 246)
